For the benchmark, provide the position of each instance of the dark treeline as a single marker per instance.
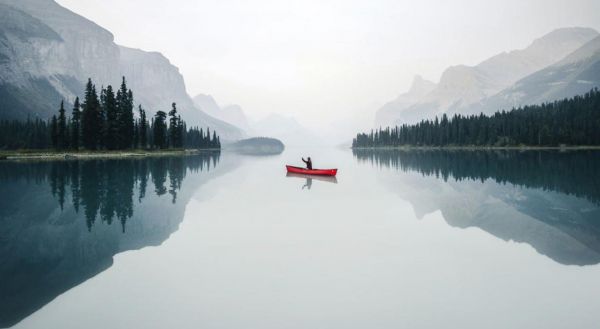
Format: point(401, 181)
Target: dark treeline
point(105, 121)
point(574, 121)
point(573, 173)
point(107, 189)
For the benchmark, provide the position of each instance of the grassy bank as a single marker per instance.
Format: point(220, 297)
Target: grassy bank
point(74, 155)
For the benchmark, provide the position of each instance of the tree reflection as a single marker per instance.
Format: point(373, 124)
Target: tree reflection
point(572, 172)
point(106, 188)
point(548, 199)
point(57, 219)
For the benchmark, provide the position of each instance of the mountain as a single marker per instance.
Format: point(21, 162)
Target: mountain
point(576, 74)
point(47, 53)
point(41, 57)
point(287, 129)
point(232, 114)
point(460, 87)
point(419, 88)
point(207, 103)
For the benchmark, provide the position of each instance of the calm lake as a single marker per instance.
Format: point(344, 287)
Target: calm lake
point(419, 239)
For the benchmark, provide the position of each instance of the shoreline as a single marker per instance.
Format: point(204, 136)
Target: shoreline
point(83, 155)
point(482, 148)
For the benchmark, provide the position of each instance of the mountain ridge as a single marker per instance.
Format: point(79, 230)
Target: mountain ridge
point(573, 75)
point(461, 86)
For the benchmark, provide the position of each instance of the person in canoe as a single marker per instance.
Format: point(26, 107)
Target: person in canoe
point(308, 163)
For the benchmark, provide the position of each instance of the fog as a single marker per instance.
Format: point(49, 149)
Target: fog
point(330, 64)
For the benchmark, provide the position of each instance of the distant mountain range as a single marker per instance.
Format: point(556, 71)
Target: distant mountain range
point(232, 114)
point(47, 53)
point(561, 64)
point(285, 128)
point(576, 74)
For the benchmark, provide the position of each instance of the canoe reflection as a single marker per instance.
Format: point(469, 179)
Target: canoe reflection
point(309, 179)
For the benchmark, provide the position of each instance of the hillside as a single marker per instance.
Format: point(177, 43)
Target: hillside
point(573, 75)
point(462, 87)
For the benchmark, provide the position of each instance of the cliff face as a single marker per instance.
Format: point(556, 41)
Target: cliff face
point(47, 53)
point(33, 77)
point(152, 73)
point(86, 50)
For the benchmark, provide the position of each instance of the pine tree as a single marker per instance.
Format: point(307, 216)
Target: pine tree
point(91, 122)
point(136, 134)
point(62, 141)
point(174, 132)
point(214, 143)
point(143, 128)
point(54, 132)
point(207, 139)
point(125, 116)
point(181, 130)
point(111, 125)
point(75, 125)
point(160, 130)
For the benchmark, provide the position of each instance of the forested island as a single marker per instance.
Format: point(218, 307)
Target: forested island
point(568, 122)
point(258, 146)
point(105, 122)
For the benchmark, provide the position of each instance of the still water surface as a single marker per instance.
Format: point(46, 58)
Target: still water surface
point(423, 239)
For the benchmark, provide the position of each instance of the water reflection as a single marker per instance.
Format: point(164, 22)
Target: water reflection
point(309, 179)
point(548, 199)
point(57, 219)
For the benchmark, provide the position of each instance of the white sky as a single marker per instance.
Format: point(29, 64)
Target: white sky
point(325, 62)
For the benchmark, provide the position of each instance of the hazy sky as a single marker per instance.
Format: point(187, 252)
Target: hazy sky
point(325, 62)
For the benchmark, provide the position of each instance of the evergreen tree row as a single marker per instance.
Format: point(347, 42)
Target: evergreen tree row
point(30, 134)
point(105, 121)
point(574, 121)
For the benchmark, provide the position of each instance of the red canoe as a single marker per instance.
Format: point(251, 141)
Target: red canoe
point(304, 171)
